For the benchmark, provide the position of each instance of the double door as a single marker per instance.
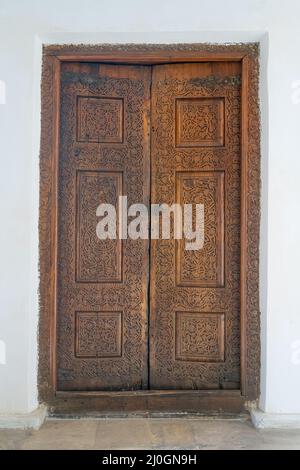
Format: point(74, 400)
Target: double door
point(136, 314)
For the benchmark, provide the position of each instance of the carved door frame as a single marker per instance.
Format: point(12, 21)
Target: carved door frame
point(194, 400)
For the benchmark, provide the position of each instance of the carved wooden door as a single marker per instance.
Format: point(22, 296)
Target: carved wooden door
point(102, 284)
point(195, 295)
point(103, 339)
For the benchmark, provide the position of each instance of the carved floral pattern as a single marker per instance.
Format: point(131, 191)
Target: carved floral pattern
point(200, 122)
point(96, 260)
point(200, 336)
point(108, 276)
point(99, 119)
point(168, 297)
point(203, 267)
point(98, 334)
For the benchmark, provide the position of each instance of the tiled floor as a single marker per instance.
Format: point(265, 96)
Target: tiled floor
point(149, 433)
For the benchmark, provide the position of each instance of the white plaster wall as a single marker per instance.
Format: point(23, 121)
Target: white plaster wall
point(24, 26)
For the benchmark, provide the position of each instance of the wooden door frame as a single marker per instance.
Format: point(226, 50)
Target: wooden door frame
point(167, 400)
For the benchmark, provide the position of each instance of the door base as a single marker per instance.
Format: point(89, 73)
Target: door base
point(148, 401)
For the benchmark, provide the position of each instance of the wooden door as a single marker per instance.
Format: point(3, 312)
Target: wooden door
point(195, 295)
point(102, 330)
point(102, 287)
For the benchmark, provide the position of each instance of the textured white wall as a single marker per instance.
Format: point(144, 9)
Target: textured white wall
point(24, 26)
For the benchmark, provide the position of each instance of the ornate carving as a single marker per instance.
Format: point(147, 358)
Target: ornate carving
point(198, 286)
point(99, 119)
point(86, 334)
point(200, 122)
point(109, 275)
point(109, 334)
point(213, 81)
point(199, 336)
point(251, 49)
point(204, 267)
point(98, 334)
point(96, 260)
point(252, 317)
point(46, 231)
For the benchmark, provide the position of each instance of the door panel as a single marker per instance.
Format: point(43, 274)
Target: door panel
point(203, 267)
point(102, 327)
point(195, 295)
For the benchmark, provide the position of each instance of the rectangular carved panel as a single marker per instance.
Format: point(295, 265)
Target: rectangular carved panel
point(199, 336)
point(99, 119)
point(199, 122)
point(98, 334)
point(203, 267)
point(96, 260)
